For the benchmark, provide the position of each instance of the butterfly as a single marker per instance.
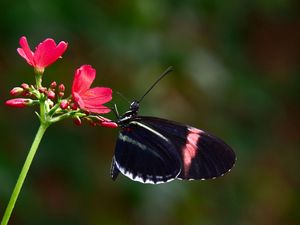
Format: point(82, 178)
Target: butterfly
point(155, 150)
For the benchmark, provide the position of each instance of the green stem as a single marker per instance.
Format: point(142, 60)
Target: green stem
point(38, 79)
point(42, 112)
point(23, 173)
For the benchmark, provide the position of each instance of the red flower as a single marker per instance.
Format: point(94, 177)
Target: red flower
point(89, 99)
point(45, 53)
point(19, 102)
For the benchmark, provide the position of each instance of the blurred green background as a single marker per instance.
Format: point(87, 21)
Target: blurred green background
point(236, 75)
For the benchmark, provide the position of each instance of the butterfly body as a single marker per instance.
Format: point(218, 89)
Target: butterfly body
point(154, 150)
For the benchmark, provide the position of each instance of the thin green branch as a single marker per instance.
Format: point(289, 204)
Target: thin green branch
point(23, 174)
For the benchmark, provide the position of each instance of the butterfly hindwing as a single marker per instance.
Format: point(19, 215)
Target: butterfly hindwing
point(146, 155)
point(202, 155)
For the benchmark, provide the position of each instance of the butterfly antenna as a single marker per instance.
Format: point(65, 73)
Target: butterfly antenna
point(168, 70)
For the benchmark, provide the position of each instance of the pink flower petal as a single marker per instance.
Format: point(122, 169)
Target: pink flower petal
point(83, 79)
point(25, 51)
point(47, 52)
point(97, 96)
point(91, 106)
point(77, 98)
point(101, 110)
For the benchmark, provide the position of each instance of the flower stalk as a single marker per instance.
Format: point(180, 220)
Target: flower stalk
point(24, 171)
point(53, 108)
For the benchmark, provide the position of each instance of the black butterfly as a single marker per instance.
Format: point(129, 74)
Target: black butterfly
point(154, 150)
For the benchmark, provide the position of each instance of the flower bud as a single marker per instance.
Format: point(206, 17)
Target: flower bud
point(77, 121)
point(64, 104)
point(16, 91)
point(74, 106)
point(53, 85)
point(61, 94)
point(61, 87)
point(42, 89)
point(51, 94)
point(25, 86)
point(108, 124)
point(19, 102)
point(25, 94)
point(93, 124)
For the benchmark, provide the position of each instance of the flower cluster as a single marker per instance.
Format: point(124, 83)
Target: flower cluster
point(85, 103)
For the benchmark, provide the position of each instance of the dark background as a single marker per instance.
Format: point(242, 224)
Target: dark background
point(236, 75)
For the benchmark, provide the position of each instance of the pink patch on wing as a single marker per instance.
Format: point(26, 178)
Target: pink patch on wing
point(189, 151)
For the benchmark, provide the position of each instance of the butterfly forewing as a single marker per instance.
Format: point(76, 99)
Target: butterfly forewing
point(145, 154)
point(202, 155)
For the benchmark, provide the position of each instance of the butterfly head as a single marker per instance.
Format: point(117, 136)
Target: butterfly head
point(129, 115)
point(134, 106)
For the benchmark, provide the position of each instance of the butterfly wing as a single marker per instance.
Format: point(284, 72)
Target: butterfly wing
point(114, 171)
point(145, 155)
point(202, 155)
